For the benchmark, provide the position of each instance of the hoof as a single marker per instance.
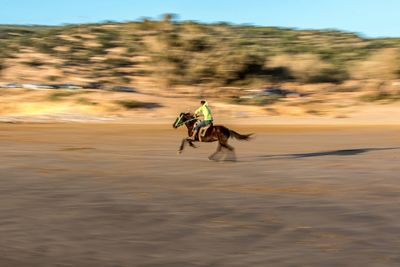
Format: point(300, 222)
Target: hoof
point(179, 152)
point(212, 159)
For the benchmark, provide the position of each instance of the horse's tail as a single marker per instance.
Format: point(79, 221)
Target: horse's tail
point(239, 136)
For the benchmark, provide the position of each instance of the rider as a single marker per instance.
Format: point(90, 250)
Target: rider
point(207, 117)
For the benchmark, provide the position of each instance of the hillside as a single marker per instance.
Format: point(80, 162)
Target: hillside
point(330, 69)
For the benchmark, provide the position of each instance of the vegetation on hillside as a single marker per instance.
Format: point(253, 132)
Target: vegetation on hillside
point(189, 53)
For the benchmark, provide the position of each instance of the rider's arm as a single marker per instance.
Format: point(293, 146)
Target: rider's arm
point(198, 110)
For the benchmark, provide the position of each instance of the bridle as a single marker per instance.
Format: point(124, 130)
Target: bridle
point(179, 123)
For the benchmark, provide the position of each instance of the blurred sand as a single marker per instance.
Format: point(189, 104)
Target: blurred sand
point(20, 105)
point(118, 195)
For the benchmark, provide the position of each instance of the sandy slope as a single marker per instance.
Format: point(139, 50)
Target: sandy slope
point(94, 105)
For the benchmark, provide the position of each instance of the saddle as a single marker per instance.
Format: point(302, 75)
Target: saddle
point(203, 131)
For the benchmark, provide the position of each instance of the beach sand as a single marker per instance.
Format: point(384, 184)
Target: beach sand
point(119, 195)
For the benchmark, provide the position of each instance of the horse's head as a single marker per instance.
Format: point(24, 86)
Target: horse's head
point(182, 119)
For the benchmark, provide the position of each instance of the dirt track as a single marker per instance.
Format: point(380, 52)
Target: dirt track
point(118, 195)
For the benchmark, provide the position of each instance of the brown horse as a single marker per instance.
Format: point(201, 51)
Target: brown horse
point(214, 133)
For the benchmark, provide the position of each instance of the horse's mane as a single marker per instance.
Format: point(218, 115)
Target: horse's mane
point(188, 114)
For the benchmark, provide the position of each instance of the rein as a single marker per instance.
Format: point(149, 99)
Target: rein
point(184, 122)
point(193, 119)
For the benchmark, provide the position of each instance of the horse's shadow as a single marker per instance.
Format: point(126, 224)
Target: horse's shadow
point(342, 152)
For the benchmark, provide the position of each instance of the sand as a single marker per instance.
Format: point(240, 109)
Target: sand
point(119, 195)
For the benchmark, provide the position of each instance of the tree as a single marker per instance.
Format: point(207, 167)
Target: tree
point(169, 17)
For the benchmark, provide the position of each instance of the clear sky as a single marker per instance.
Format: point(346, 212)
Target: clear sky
point(372, 18)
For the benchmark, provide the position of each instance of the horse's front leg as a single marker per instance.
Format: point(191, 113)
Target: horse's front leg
point(182, 145)
point(191, 144)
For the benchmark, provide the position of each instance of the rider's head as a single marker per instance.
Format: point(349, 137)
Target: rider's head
point(202, 102)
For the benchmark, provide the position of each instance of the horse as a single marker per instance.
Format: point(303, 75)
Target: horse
point(213, 133)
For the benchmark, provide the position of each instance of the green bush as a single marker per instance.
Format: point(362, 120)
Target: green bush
point(198, 44)
point(2, 66)
point(108, 38)
point(124, 79)
point(44, 47)
point(118, 62)
point(98, 50)
point(134, 104)
point(232, 67)
point(193, 53)
point(34, 63)
point(171, 39)
point(257, 100)
point(25, 41)
point(380, 96)
point(148, 25)
point(329, 75)
point(77, 59)
point(85, 101)
point(53, 78)
point(57, 96)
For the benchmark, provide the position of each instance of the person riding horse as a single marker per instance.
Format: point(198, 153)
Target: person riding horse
point(216, 133)
point(207, 118)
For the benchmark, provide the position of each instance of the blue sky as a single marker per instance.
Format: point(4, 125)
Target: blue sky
point(372, 18)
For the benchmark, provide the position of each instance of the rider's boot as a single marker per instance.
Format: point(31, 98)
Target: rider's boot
point(193, 137)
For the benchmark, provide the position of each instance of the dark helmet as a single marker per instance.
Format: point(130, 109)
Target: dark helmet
point(202, 101)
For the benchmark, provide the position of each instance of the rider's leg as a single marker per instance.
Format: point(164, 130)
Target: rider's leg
point(195, 130)
point(193, 137)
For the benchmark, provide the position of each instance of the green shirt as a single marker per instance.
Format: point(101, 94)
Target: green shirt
point(206, 112)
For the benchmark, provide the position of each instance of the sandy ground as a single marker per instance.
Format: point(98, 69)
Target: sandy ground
point(118, 195)
point(21, 105)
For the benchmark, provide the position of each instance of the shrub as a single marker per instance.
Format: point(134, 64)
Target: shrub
point(134, 104)
point(98, 50)
point(44, 47)
point(238, 66)
point(309, 68)
point(379, 65)
point(148, 24)
point(35, 63)
point(57, 96)
point(198, 44)
point(2, 66)
point(108, 38)
point(118, 62)
point(380, 96)
point(85, 101)
point(124, 79)
point(25, 41)
point(171, 39)
point(257, 100)
point(329, 75)
point(77, 59)
point(53, 78)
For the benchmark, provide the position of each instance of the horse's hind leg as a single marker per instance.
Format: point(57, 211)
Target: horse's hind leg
point(211, 157)
point(231, 156)
point(229, 147)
